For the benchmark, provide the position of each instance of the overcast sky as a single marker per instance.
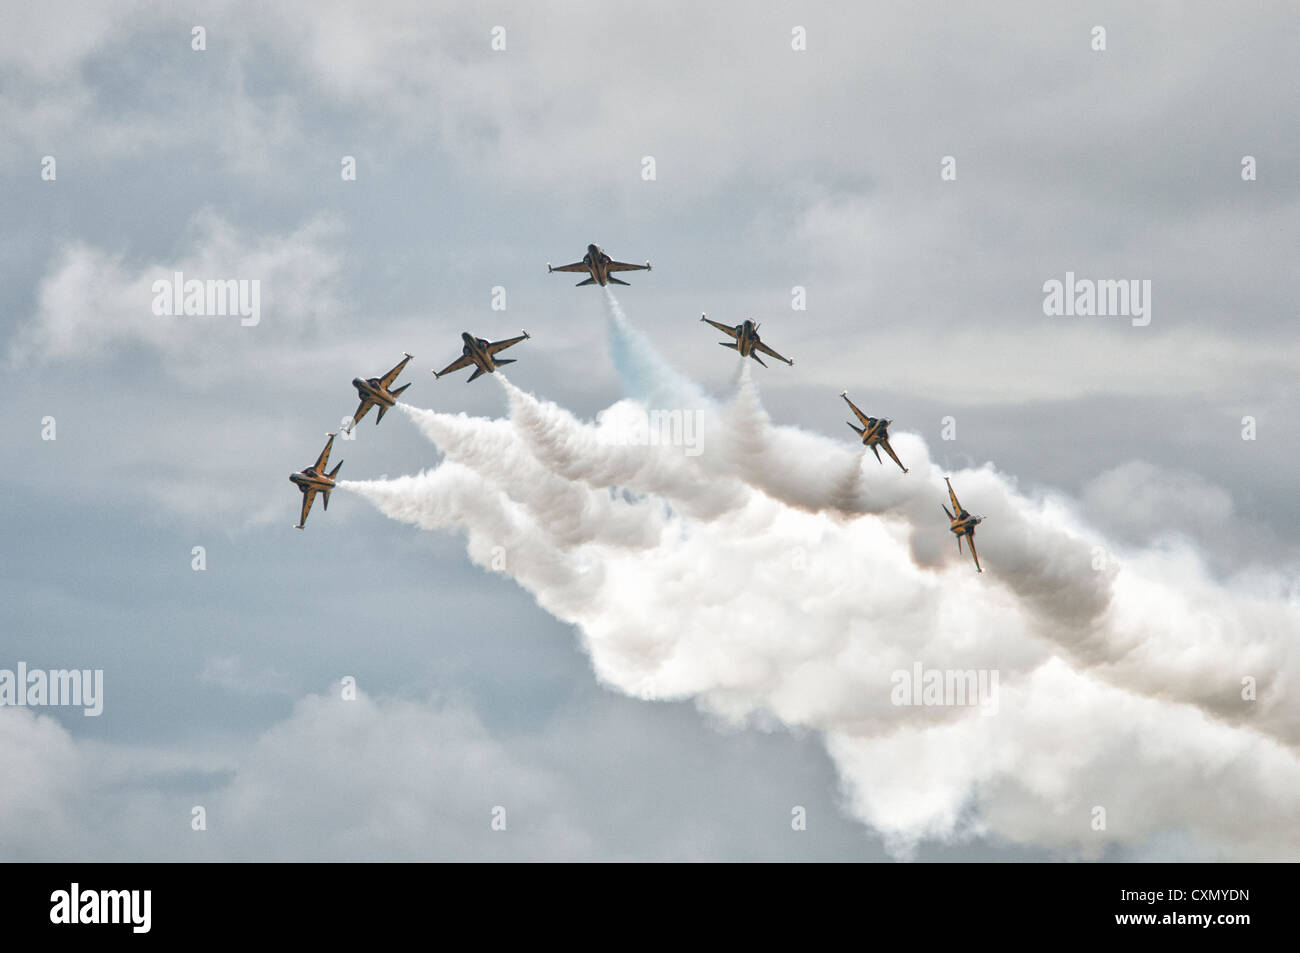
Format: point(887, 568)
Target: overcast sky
point(774, 168)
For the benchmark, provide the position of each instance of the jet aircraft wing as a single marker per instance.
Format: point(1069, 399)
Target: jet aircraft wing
point(496, 346)
point(576, 266)
point(956, 507)
point(624, 266)
point(893, 456)
point(307, 499)
point(724, 328)
point(362, 409)
point(461, 362)
point(387, 380)
point(324, 459)
point(760, 346)
point(860, 415)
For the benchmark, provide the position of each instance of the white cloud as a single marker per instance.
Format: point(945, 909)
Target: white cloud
point(93, 303)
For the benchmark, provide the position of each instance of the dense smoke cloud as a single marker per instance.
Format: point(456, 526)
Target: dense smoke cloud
point(783, 578)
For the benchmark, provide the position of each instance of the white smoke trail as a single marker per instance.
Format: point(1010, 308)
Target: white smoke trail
point(782, 577)
point(493, 449)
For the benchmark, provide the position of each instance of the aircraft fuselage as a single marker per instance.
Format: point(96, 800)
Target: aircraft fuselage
point(598, 264)
point(309, 479)
point(476, 349)
point(746, 338)
point(876, 431)
point(371, 388)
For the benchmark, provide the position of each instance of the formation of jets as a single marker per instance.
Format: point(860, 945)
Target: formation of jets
point(481, 354)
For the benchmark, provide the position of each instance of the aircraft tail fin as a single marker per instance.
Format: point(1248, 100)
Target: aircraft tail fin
point(398, 392)
point(614, 281)
point(589, 281)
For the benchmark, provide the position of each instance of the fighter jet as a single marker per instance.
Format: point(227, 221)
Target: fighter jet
point(315, 480)
point(747, 340)
point(375, 392)
point(874, 432)
point(963, 524)
point(481, 353)
point(600, 266)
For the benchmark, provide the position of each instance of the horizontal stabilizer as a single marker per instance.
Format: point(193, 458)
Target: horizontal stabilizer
point(859, 430)
point(478, 372)
point(504, 360)
point(589, 281)
point(614, 281)
point(333, 473)
point(398, 392)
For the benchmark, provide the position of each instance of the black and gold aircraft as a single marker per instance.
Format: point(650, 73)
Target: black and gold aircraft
point(874, 432)
point(746, 340)
point(315, 480)
point(600, 266)
point(374, 392)
point(482, 354)
point(963, 524)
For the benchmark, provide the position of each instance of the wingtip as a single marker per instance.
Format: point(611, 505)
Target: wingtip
point(844, 393)
point(549, 269)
